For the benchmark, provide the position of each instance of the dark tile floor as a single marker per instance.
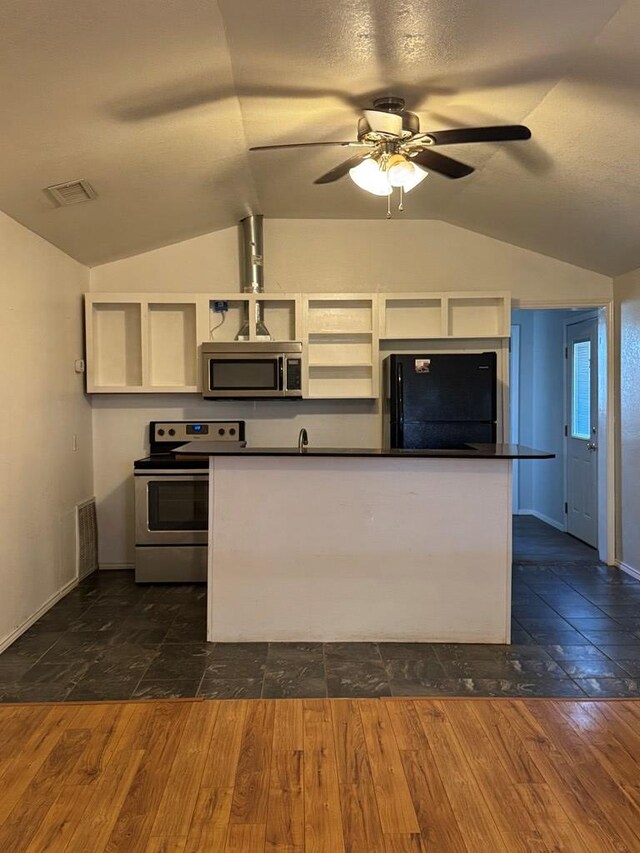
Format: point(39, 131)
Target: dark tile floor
point(576, 632)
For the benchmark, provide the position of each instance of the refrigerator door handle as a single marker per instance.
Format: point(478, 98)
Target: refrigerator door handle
point(400, 437)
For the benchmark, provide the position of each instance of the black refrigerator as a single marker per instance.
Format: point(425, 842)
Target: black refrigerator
point(439, 401)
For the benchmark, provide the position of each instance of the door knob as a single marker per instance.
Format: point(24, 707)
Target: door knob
point(591, 446)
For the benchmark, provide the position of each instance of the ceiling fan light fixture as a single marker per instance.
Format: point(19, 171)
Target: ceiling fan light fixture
point(416, 177)
point(399, 170)
point(370, 177)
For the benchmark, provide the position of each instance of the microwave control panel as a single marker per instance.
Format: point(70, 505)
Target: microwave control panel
point(294, 374)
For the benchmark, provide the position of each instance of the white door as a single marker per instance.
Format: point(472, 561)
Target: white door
point(582, 431)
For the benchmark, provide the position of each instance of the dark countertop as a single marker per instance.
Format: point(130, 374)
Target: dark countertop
point(167, 461)
point(470, 451)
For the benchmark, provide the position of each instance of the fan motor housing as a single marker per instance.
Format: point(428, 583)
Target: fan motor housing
point(410, 124)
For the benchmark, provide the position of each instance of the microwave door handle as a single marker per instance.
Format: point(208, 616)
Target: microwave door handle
point(281, 374)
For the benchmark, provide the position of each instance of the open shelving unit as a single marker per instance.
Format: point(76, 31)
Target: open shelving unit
point(341, 343)
point(149, 342)
point(281, 313)
point(470, 316)
point(142, 343)
point(424, 316)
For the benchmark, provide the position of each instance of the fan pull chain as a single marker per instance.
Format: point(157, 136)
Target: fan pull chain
point(389, 206)
point(401, 205)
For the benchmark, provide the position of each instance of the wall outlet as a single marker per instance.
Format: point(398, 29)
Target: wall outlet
point(220, 306)
point(78, 365)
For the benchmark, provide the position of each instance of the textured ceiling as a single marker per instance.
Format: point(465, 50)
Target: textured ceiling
point(156, 103)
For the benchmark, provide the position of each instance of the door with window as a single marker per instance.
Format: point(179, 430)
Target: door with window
point(582, 432)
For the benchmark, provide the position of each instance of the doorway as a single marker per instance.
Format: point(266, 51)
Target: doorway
point(558, 403)
point(581, 382)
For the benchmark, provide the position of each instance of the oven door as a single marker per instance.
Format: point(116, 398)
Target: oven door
point(171, 508)
point(243, 375)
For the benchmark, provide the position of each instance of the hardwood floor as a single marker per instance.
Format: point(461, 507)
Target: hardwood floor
point(287, 776)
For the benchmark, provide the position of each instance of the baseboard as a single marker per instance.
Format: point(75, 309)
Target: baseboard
point(87, 574)
point(115, 567)
point(541, 517)
point(13, 636)
point(635, 573)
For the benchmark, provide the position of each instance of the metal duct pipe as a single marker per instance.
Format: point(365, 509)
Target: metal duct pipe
point(252, 272)
point(251, 257)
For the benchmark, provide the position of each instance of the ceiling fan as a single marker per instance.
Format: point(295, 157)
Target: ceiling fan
point(396, 154)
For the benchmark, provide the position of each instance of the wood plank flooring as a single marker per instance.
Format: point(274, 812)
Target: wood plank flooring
point(321, 776)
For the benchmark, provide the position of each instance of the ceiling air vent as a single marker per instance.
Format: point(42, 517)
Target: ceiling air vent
point(73, 192)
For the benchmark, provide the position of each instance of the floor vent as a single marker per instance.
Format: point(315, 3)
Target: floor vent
point(86, 538)
point(73, 192)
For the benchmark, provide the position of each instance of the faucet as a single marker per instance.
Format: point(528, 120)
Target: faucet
point(303, 440)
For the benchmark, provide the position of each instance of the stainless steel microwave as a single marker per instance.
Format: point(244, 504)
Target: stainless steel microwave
point(252, 370)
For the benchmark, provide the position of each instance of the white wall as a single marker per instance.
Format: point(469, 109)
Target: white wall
point(627, 298)
point(356, 255)
point(313, 256)
point(43, 403)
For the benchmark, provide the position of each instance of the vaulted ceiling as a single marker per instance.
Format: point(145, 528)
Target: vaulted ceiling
point(156, 104)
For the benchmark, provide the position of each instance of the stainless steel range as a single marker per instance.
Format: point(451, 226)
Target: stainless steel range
point(172, 500)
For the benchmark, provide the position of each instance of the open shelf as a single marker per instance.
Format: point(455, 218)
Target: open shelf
point(336, 333)
point(344, 381)
point(340, 349)
point(280, 318)
point(173, 345)
point(224, 327)
point(477, 317)
point(417, 318)
point(117, 337)
point(340, 365)
point(336, 316)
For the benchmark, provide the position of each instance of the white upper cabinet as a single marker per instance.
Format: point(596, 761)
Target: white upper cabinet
point(149, 343)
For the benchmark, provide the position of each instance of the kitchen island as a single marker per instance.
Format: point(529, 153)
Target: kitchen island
point(332, 545)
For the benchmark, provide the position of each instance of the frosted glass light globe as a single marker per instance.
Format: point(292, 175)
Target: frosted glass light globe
point(399, 171)
point(369, 176)
point(417, 177)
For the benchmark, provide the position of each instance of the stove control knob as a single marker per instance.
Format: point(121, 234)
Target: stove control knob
point(221, 431)
point(160, 432)
point(172, 432)
point(232, 431)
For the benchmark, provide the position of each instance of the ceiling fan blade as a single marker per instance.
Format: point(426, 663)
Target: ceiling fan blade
point(446, 166)
point(383, 122)
point(341, 169)
point(500, 133)
point(353, 144)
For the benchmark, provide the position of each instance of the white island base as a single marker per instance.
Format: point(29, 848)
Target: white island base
point(338, 548)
